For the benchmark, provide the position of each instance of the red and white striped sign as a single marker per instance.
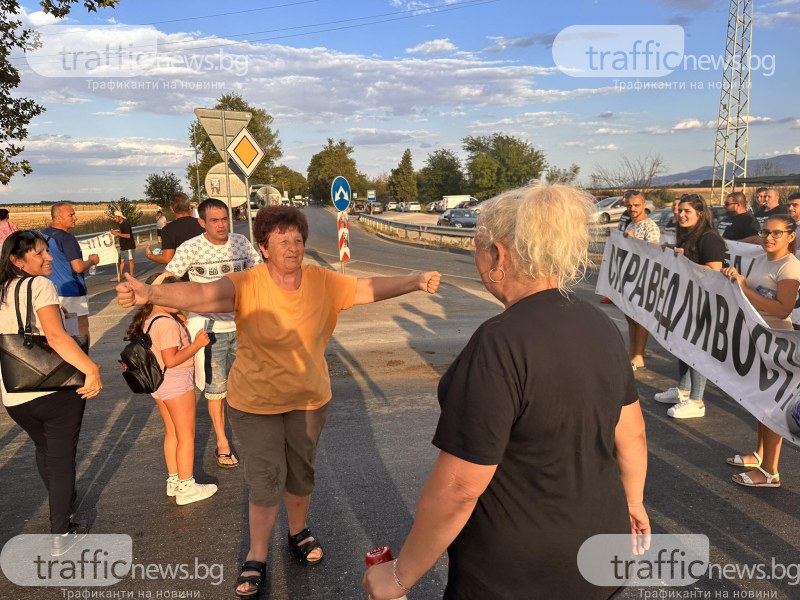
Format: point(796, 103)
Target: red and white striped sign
point(344, 237)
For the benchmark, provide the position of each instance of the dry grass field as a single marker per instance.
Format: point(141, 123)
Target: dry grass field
point(92, 218)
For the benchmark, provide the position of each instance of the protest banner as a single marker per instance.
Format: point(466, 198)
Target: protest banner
point(103, 245)
point(703, 318)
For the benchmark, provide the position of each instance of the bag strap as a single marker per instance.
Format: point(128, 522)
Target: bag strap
point(153, 321)
point(20, 331)
point(27, 331)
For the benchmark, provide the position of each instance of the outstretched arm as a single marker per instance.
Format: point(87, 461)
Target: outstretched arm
point(217, 296)
point(375, 289)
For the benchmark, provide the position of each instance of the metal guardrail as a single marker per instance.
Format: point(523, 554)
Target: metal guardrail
point(407, 230)
point(140, 232)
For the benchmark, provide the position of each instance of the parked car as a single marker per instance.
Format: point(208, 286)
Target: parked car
point(662, 217)
point(413, 207)
point(458, 217)
point(430, 207)
point(376, 208)
point(611, 209)
point(391, 205)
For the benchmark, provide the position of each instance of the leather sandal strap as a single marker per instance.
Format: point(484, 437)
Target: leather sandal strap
point(254, 565)
point(299, 537)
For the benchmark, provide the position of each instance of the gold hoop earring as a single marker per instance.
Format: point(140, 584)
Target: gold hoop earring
point(492, 279)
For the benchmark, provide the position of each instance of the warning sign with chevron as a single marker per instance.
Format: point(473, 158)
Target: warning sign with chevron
point(344, 236)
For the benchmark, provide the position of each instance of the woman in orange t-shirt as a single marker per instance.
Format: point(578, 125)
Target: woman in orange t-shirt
point(279, 385)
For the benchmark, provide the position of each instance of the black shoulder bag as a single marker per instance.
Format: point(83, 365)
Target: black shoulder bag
point(27, 361)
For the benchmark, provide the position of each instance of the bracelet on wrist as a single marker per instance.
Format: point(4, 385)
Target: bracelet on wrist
point(397, 579)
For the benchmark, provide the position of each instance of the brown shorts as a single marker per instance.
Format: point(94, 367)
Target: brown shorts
point(277, 451)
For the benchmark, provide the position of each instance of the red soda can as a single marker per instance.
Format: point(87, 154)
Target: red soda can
point(378, 555)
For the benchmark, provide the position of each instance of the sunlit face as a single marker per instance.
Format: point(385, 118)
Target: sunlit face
point(781, 245)
point(284, 250)
point(637, 208)
point(772, 198)
point(794, 209)
point(730, 205)
point(65, 218)
point(687, 215)
point(215, 224)
point(761, 197)
point(35, 262)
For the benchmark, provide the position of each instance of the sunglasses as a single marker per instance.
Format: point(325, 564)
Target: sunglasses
point(775, 233)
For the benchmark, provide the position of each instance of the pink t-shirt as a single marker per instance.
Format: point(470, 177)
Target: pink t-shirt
point(168, 333)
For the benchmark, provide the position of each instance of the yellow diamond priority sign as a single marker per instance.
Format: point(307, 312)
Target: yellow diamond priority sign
point(245, 152)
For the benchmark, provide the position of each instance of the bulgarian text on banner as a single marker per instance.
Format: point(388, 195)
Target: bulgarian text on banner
point(703, 318)
point(102, 245)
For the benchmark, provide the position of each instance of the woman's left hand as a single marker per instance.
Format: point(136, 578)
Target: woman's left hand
point(732, 274)
point(429, 282)
point(92, 385)
point(379, 582)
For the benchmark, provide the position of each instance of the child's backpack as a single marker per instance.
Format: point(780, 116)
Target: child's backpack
point(140, 367)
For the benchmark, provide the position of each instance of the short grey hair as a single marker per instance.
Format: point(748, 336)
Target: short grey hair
point(546, 228)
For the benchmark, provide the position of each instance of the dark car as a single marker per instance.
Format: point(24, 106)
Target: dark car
point(458, 217)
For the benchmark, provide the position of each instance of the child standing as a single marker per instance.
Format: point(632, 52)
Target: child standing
point(175, 397)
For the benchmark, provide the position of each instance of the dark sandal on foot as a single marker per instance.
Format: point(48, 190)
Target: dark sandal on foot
point(255, 580)
point(301, 551)
point(229, 455)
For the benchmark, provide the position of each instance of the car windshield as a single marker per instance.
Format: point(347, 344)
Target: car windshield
point(461, 213)
point(606, 202)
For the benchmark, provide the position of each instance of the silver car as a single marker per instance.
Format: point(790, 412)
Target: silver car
point(609, 210)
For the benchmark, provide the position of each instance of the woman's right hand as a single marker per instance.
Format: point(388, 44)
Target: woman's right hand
point(92, 385)
point(201, 339)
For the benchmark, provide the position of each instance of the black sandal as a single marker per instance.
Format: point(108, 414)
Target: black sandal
point(301, 551)
point(255, 580)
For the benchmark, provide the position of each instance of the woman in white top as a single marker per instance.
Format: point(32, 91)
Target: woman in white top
point(771, 288)
point(51, 419)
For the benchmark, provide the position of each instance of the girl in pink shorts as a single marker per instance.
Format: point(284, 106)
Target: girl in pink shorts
point(175, 396)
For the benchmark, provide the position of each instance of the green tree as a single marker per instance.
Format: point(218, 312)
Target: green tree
point(159, 188)
point(500, 162)
point(128, 208)
point(334, 159)
point(16, 113)
point(402, 184)
point(208, 156)
point(557, 175)
point(289, 180)
point(442, 175)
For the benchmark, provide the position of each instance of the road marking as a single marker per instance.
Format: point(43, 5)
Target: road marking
point(352, 263)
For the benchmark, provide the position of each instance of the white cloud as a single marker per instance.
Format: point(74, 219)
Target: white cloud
point(611, 131)
point(366, 136)
point(777, 19)
point(689, 124)
point(501, 43)
point(605, 148)
point(432, 47)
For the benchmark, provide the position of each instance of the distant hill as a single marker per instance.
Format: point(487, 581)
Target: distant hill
point(785, 164)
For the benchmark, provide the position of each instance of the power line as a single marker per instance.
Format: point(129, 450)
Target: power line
point(400, 15)
point(226, 14)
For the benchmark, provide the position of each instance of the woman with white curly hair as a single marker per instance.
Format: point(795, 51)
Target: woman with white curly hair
point(541, 437)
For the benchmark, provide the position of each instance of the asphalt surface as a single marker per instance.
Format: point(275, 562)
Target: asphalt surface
point(375, 453)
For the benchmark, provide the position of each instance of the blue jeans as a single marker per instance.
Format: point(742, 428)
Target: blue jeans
point(692, 380)
point(219, 356)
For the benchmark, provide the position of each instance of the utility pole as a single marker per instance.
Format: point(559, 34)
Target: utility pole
point(730, 147)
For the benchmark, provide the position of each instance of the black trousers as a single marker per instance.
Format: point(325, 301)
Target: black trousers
point(53, 422)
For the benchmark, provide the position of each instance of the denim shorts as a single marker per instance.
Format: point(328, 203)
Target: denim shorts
point(278, 451)
point(219, 356)
point(126, 254)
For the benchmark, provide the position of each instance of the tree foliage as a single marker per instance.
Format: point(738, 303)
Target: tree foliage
point(128, 208)
point(208, 156)
point(402, 184)
point(629, 173)
point(499, 162)
point(159, 188)
point(333, 160)
point(442, 175)
point(557, 175)
point(289, 180)
point(16, 113)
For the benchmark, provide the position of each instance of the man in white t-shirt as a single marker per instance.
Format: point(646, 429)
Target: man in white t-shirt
point(206, 258)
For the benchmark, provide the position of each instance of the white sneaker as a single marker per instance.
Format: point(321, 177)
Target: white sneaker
point(190, 491)
point(61, 544)
point(172, 487)
point(672, 396)
point(687, 409)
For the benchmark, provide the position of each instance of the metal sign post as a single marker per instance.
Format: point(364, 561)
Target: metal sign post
point(246, 154)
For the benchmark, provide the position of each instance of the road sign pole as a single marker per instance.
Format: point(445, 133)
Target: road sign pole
point(228, 173)
point(247, 210)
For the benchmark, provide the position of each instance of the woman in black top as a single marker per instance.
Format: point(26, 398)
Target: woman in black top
point(699, 241)
point(533, 460)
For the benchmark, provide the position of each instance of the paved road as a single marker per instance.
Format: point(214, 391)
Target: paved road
point(385, 360)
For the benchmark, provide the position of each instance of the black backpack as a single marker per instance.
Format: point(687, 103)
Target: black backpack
point(140, 367)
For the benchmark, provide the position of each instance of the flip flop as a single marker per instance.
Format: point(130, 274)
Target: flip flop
point(229, 455)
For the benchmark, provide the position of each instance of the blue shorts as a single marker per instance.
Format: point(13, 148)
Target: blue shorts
point(123, 254)
point(219, 356)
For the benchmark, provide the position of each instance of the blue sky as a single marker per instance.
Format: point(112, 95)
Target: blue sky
point(385, 75)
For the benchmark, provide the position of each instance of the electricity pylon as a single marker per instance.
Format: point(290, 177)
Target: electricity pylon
point(730, 148)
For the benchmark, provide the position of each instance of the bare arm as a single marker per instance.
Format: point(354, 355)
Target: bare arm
point(66, 348)
point(375, 289)
point(446, 503)
point(79, 265)
point(217, 296)
point(174, 356)
point(631, 451)
point(162, 259)
point(781, 307)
